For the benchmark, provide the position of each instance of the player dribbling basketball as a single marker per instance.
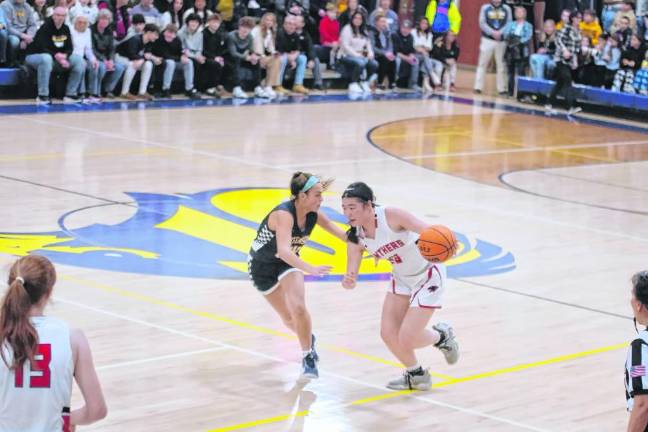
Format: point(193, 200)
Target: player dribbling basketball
point(416, 288)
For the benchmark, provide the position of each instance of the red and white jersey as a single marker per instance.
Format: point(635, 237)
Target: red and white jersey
point(399, 248)
point(33, 398)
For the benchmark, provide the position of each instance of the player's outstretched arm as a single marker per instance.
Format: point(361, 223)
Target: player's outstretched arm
point(401, 220)
point(85, 375)
point(330, 226)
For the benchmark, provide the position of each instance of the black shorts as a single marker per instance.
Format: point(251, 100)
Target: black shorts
point(266, 276)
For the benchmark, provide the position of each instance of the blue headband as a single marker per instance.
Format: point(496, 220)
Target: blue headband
point(312, 181)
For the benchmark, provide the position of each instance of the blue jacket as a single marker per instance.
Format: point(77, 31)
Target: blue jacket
point(526, 35)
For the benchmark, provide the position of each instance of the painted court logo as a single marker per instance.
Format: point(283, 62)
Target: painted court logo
point(208, 235)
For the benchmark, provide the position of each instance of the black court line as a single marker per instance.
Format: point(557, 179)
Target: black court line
point(551, 197)
point(546, 299)
point(592, 181)
point(125, 203)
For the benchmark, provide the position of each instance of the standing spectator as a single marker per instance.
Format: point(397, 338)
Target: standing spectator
point(630, 64)
point(175, 15)
point(623, 32)
point(121, 19)
point(542, 62)
point(52, 49)
point(308, 48)
point(148, 11)
point(103, 44)
point(135, 54)
point(4, 38)
point(40, 12)
point(242, 60)
point(356, 54)
point(200, 10)
point(169, 49)
point(626, 11)
point(641, 79)
point(82, 47)
point(21, 27)
point(290, 50)
point(590, 26)
point(353, 6)
point(610, 10)
point(443, 16)
point(517, 35)
point(493, 17)
point(215, 51)
point(85, 8)
point(383, 47)
point(385, 10)
point(407, 65)
point(423, 45)
point(446, 50)
point(568, 42)
point(329, 31)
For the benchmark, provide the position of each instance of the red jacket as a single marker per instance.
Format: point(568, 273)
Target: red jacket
point(329, 30)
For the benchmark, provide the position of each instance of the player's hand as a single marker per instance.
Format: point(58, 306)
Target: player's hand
point(321, 270)
point(349, 281)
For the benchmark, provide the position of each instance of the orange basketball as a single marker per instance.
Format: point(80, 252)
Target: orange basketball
point(437, 243)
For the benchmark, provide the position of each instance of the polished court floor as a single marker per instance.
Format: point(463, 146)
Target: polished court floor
point(148, 212)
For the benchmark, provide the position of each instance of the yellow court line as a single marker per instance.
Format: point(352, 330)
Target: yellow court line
point(395, 394)
point(237, 323)
point(260, 422)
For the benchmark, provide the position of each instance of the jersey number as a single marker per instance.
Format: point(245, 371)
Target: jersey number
point(395, 259)
point(42, 361)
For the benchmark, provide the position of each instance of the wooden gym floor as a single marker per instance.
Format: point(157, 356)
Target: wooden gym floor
point(148, 214)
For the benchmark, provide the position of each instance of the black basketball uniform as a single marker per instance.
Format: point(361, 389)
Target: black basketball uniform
point(264, 267)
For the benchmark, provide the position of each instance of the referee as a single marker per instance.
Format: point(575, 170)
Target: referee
point(636, 379)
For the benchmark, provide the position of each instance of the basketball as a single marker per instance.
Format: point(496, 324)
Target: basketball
point(437, 243)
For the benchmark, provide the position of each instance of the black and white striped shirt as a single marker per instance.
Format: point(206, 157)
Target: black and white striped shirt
point(636, 373)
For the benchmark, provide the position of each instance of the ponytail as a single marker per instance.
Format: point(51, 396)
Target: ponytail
point(352, 235)
point(30, 279)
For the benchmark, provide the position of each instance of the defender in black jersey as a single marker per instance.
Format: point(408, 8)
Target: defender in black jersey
point(275, 267)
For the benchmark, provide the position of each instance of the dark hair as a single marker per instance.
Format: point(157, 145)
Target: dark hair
point(192, 17)
point(30, 279)
point(573, 15)
point(418, 25)
point(300, 178)
point(214, 17)
point(138, 19)
point(361, 191)
point(640, 286)
point(151, 28)
point(246, 21)
point(363, 27)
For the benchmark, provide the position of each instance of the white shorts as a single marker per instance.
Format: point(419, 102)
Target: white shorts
point(425, 290)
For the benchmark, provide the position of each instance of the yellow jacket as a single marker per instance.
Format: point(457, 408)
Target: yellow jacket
point(592, 30)
point(453, 15)
point(226, 9)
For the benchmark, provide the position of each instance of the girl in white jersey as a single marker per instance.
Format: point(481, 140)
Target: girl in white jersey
point(416, 288)
point(40, 356)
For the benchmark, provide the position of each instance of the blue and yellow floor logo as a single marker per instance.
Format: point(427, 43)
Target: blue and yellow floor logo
point(208, 235)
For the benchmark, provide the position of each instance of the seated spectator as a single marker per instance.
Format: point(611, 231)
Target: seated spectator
point(175, 15)
point(423, 45)
point(517, 35)
point(243, 61)
point(630, 64)
point(586, 70)
point(52, 50)
point(564, 19)
point(290, 50)
point(590, 26)
point(200, 10)
point(40, 12)
point(21, 27)
point(215, 51)
point(191, 36)
point(610, 10)
point(626, 11)
point(383, 47)
point(329, 32)
point(542, 62)
point(308, 49)
point(104, 50)
point(82, 47)
point(641, 78)
point(85, 8)
point(169, 48)
point(57, 3)
point(384, 9)
point(407, 65)
point(443, 16)
point(607, 61)
point(148, 11)
point(4, 38)
point(135, 54)
point(446, 50)
point(623, 33)
point(352, 7)
point(136, 28)
point(568, 41)
point(121, 19)
point(357, 56)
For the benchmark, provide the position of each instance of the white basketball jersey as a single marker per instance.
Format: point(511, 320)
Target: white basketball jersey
point(32, 399)
point(399, 248)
